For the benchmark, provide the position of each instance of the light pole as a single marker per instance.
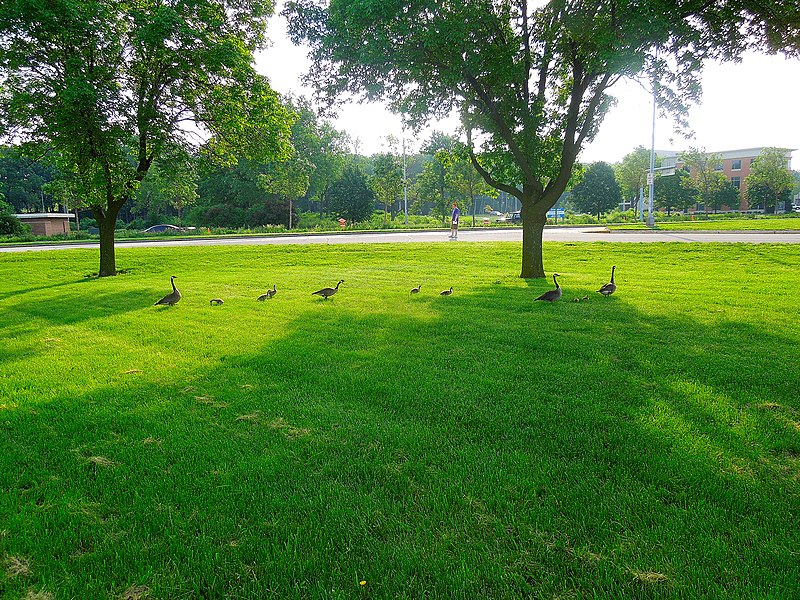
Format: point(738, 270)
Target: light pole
point(405, 183)
point(651, 175)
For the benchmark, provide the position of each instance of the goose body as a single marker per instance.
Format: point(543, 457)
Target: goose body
point(610, 287)
point(416, 289)
point(216, 301)
point(268, 294)
point(172, 298)
point(552, 295)
point(447, 292)
point(328, 291)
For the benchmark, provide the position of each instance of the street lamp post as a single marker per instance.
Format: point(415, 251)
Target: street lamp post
point(652, 174)
point(405, 182)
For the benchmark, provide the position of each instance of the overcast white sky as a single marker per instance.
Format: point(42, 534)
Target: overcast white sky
point(751, 104)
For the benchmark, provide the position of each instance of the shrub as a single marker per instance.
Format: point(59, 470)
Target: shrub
point(10, 225)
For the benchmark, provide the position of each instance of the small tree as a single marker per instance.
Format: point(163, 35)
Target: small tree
point(387, 180)
point(631, 173)
point(674, 191)
point(598, 192)
point(770, 180)
point(351, 197)
point(288, 179)
point(725, 195)
point(706, 174)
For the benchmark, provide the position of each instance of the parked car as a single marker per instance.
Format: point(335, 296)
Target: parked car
point(495, 213)
point(516, 217)
point(162, 228)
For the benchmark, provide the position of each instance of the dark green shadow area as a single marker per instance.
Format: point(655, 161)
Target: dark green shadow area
point(571, 450)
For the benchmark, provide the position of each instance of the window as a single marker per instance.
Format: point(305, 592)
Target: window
point(752, 160)
point(736, 165)
point(737, 182)
point(718, 167)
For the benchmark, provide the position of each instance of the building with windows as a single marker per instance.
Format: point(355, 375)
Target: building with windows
point(735, 166)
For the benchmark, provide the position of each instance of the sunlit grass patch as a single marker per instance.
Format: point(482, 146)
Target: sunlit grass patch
point(479, 445)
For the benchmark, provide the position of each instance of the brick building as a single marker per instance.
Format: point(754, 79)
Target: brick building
point(735, 166)
point(47, 223)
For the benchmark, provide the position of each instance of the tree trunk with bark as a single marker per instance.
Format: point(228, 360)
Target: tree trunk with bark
point(107, 222)
point(533, 222)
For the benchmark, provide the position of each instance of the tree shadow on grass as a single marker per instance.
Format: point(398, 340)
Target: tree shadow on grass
point(579, 449)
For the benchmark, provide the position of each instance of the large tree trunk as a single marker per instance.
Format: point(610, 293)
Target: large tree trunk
point(106, 222)
point(532, 230)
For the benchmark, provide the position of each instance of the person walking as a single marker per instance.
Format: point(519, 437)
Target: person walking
point(454, 222)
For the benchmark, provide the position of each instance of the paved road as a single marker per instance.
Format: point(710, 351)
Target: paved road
point(560, 234)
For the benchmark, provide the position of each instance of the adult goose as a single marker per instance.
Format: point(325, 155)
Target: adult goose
point(172, 298)
point(447, 292)
point(328, 291)
point(268, 294)
point(610, 287)
point(552, 295)
point(416, 289)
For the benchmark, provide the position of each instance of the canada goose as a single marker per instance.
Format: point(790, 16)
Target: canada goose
point(447, 292)
point(610, 287)
point(217, 301)
point(172, 298)
point(416, 289)
point(586, 297)
point(328, 292)
point(268, 294)
point(576, 299)
point(552, 295)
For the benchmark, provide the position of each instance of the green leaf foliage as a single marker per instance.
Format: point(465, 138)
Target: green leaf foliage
point(113, 86)
point(531, 80)
point(598, 192)
point(351, 197)
point(770, 181)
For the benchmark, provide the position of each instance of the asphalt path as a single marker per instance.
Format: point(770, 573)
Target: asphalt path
point(551, 234)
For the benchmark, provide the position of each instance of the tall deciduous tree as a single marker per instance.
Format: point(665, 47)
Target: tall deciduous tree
point(674, 191)
point(707, 179)
point(350, 197)
point(631, 173)
point(387, 180)
point(112, 85)
point(530, 79)
point(770, 180)
point(319, 143)
point(598, 192)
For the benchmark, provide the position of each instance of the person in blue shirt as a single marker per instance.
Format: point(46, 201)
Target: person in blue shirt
point(454, 222)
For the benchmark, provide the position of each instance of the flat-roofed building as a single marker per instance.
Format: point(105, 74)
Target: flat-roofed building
point(46, 223)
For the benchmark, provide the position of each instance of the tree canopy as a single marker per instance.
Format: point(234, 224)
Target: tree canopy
point(599, 191)
point(770, 181)
point(108, 87)
point(531, 80)
point(350, 197)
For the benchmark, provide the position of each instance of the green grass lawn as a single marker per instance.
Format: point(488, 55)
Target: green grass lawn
point(480, 445)
point(754, 224)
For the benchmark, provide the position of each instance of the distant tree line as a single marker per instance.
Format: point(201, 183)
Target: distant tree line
point(320, 176)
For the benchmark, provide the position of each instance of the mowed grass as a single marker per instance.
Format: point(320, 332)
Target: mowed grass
point(384, 445)
point(789, 223)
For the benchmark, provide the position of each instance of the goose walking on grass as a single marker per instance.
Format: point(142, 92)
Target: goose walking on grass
point(268, 294)
point(328, 291)
point(416, 289)
point(447, 292)
point(172, 298)
point(552, 295)
point(217, 301)
point(610, 287)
